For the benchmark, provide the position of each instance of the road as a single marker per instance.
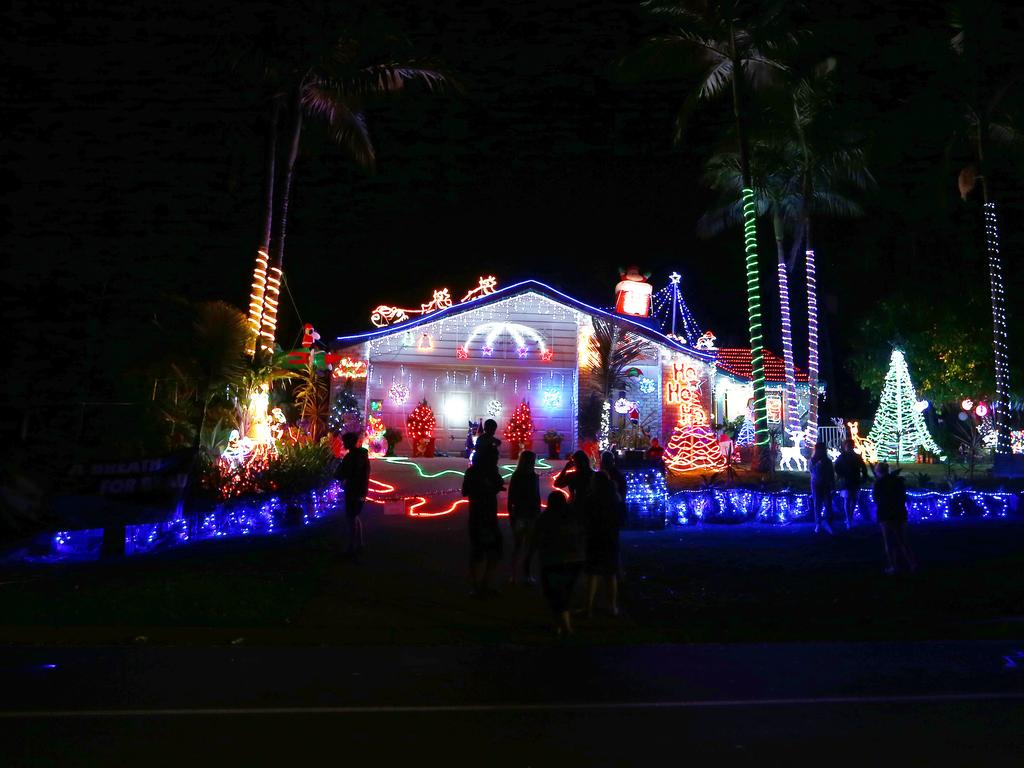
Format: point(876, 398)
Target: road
point(933, 703)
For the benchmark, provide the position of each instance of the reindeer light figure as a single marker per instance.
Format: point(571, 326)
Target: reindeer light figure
point(861, 445)
point(792, 453)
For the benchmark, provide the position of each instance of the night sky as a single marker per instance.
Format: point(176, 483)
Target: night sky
point(132, 161)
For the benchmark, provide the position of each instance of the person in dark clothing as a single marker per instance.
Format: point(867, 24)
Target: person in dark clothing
point(610, 468)
point(354, 474)
point(487, 439)
point(481, 486)
point(850, 472)
point(655, 452)
point(523, 509)
point(560, 543)
point(603, 515)
point(890, 495)
point(576, 476)
point(823, 482)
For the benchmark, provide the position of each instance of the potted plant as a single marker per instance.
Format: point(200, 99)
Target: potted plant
point(554, 442)
point(392, 437)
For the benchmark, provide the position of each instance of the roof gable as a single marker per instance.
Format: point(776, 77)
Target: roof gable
point(634, 325)
point(737, 361)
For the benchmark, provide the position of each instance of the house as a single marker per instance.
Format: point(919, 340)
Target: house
point(497, 348)
point(734, 389)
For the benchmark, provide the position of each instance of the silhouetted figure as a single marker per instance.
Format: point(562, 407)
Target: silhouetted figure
point(823, 482)
point(850, 472)
point(354, 473)
point(523, 510)
point(655, 452)
point(576, 476)
point(560, 543)
point(481, 486)
point(610, 467)
point(891, 504)
point(487, 439)
point(604, 516)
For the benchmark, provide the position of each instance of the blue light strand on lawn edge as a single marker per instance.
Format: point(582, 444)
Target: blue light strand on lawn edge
point(747, 505)
point(1000, 340)
point(754, 312)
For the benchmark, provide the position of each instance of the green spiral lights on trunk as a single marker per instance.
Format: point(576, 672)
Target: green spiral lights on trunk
point(754, 312)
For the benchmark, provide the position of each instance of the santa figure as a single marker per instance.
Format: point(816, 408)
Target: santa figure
point(633, 293)
point(309, 336)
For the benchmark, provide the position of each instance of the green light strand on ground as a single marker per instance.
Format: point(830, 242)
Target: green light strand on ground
point(402, 461)
point(754, 312)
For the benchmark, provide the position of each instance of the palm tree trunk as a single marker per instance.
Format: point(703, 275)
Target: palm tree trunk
point(268, 325)
point(763, 457)
point(792, 420)
point(1001, 409)
point(812, 334)
point(259, 274)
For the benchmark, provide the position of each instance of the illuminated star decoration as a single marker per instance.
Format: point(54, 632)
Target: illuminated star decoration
point(523, 352)
point(487, 350)
point(546, 355)
point(462, 353)
point(674, 278)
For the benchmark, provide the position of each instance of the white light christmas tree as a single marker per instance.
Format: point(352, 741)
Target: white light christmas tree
point(899, 429)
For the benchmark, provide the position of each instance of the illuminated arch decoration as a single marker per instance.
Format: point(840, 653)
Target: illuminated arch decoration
point(521, 336)
point(693, 445)
point(384, 314)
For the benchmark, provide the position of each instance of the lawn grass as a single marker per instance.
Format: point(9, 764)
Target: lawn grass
point(710, 584)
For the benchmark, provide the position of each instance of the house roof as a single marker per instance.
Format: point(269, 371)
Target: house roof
point(737, 361)
point(640, 326)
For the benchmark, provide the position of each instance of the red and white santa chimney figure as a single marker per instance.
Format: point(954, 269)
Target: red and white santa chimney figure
point(633, 293)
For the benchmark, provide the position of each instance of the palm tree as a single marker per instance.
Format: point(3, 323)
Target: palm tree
point(331, 74)
point(828, 159)
point(722, 39)
point(988, 67)
point(612, 353)
point(776, 197)
point(312, 399)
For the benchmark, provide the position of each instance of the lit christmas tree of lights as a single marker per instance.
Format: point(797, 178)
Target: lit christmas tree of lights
point(693, 444)
point(672, 313)
point(519, 430)
point(420, 427)
point(345, 415)
point(899, 429)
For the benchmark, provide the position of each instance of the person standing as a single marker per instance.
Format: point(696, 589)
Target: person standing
point(576, 476)
point(523, 510)
point(354, 473)
point(891, 511)
point(560, 543)
point(823, 482)
point(487, 439)
point(481, 485)
point(603, 515)
point(850, 472)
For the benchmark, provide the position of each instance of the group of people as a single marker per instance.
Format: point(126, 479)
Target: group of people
point(847, 475)
point(575, 530)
